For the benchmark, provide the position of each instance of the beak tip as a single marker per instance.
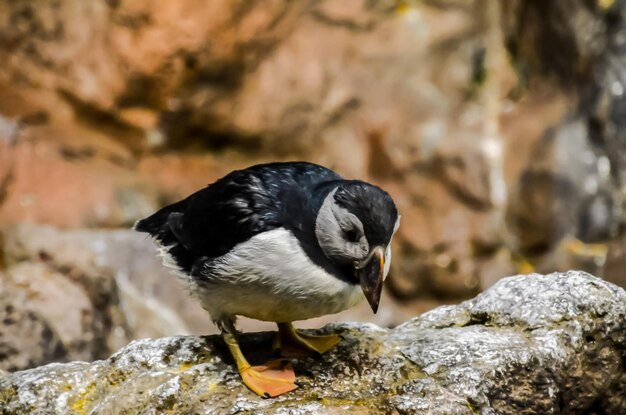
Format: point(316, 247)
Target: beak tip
point(371, 279)
point(373, 298)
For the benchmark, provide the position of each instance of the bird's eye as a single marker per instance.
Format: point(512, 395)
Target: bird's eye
point(352, 235)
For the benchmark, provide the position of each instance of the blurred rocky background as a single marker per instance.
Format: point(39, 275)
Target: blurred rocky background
point(498, 127)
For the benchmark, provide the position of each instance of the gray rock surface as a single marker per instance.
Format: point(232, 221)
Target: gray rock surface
point(47, 317)
point(529, 345)
point(26, 338)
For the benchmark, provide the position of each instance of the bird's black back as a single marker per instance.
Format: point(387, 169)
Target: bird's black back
point(244, 203)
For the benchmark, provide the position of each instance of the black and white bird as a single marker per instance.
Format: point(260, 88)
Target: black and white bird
point(278, 242)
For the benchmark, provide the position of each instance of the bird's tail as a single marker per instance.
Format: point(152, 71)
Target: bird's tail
point(165, 227)
point(157, 225)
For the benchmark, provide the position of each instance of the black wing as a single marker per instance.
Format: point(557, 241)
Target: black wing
point(210, 222)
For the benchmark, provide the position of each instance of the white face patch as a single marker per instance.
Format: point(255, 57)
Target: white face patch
point(340, 233)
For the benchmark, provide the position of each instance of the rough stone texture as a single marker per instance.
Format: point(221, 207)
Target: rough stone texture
point(561, 40)
point(26, 338)
point(573, 184)
point(56, 305)
point(74, 178)
point(530, 344)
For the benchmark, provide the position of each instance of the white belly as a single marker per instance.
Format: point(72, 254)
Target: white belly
point(269, 277)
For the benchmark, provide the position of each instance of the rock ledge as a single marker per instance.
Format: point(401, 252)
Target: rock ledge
point(530, 344)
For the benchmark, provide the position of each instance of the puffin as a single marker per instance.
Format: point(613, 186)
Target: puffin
point(278, 242)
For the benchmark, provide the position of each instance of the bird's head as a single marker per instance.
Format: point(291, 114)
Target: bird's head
point(354, 227)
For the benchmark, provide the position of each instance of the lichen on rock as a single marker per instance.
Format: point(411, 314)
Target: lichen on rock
point(530, 344)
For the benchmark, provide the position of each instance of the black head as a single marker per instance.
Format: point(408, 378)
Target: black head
point(354, 227)
point(372, 206)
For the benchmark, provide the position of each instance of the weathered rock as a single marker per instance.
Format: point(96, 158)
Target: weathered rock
point(559, 39)
point(116, 271)
point(77, 177)
point(26, 338)
point(530, 344)
point(52, 317)
point(566, 191)
point(573, 184)
point(55, 308)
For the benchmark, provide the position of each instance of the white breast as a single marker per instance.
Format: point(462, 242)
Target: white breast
point(269, 277)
